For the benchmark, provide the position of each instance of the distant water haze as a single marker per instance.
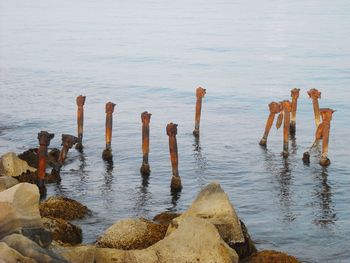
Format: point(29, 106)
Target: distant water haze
point(151, 56)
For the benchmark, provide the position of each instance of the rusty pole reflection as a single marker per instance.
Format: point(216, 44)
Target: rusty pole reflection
point(107, 153)
point(171, 130)
point(295, 95)
point(200, 93)
point(80, 120)
point(286, 108)
point(274, 108)
point(314, 94)
point(44, 141)
point(326, 114)
point(145, 118)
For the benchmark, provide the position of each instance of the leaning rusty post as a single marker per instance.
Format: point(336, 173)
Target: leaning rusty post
point(314, 94)
point(107, 153)
point(274, 108)
point(326, 114)
point(67, 143)
point(80, 120)
point(171, 130)
point(287, 108)
point(44, 141)
point(200, 93)
point(295, 95)
point(145, 118)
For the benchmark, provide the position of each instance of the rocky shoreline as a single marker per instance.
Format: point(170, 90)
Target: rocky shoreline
point(33, 231)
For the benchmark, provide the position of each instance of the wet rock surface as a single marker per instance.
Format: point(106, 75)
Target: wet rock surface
point(11, 165)
point(62, 207)
point(7, 182)
point(271, 256)
point(247, 248)
point(63, 231)
point(132, 234)
point(165, 218)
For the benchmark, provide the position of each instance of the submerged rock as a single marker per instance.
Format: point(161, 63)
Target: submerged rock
point(62, 207)
point(165, 217)
point(11, 165)
point(9, 255)
point(132, 234)
point(7, 182)
point(271, 256)
point(32, 178)
point(63, 231)
point(19, 206)
point(213, 205)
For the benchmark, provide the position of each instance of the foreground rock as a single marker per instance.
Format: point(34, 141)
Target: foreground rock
point(19, 206)
point(271, 256)
point(11, 165)
point(62, 207)
point(63, 231)
point(213, 205)
point(192, 240)
point(9, 255)
point(7, 182)
point(132, 234)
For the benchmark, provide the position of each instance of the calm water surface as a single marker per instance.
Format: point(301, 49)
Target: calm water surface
point(151, 55)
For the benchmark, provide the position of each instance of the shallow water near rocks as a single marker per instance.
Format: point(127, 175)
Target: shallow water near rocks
point(151, 55)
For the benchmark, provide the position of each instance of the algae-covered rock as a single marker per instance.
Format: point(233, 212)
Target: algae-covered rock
point(9, 255)
point(7, 182)
point(62, 230)
point(31, 157)
point(11, 165)
point(271, 256)
point(132, 234)
point(62, 207)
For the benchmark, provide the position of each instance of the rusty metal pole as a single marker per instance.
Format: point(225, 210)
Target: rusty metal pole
point(107, 153)
point(326, 114)
point(314, 94)
point(286, 107)
point(274, 108)
point(145, 118)
point(44, 141)
point(80, 120)
point(171, 130)
point(200, 93)
point(67, 143)
point(295, 95)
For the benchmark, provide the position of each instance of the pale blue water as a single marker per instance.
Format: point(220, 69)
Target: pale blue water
point(151, 55)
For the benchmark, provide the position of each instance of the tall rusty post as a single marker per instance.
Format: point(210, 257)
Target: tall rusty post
point(44, 141)
point(326, 114)
point(274, 108)
point(286, 108)
point(145, 118)
point(314, 94)
point(107, 152)
point(80, 120)
point(171, 130)
point(295, 95)
point(200, 93)
point(67, 143)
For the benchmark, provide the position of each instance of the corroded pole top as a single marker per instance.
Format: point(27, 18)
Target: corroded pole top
point(69, 140)
point(81, 100)
point(171, 129)
point(44, 138)
point(145, 117)
point(286, 105)
point(110, 107)
point(275, 107)
point(294, 93)
point(314, 94)
point(200, 92)
point(326, 114)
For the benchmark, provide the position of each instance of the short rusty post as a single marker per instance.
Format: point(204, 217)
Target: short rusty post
point(326, 114)
point(171, 130)
point(145, 118)
point(295, 95)
point(314, 94)
point(274, 108)
point(80, 120)
point(107, 153)
point(200, 93)
point(286, 107)
point(44, 141)
point(67, 143)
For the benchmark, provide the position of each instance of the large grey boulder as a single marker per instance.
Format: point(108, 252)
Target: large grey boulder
point(7, 182)
point(11, 165)
point(19, 206)
point(132, 234)
point(9, 255)
point(213, 205)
